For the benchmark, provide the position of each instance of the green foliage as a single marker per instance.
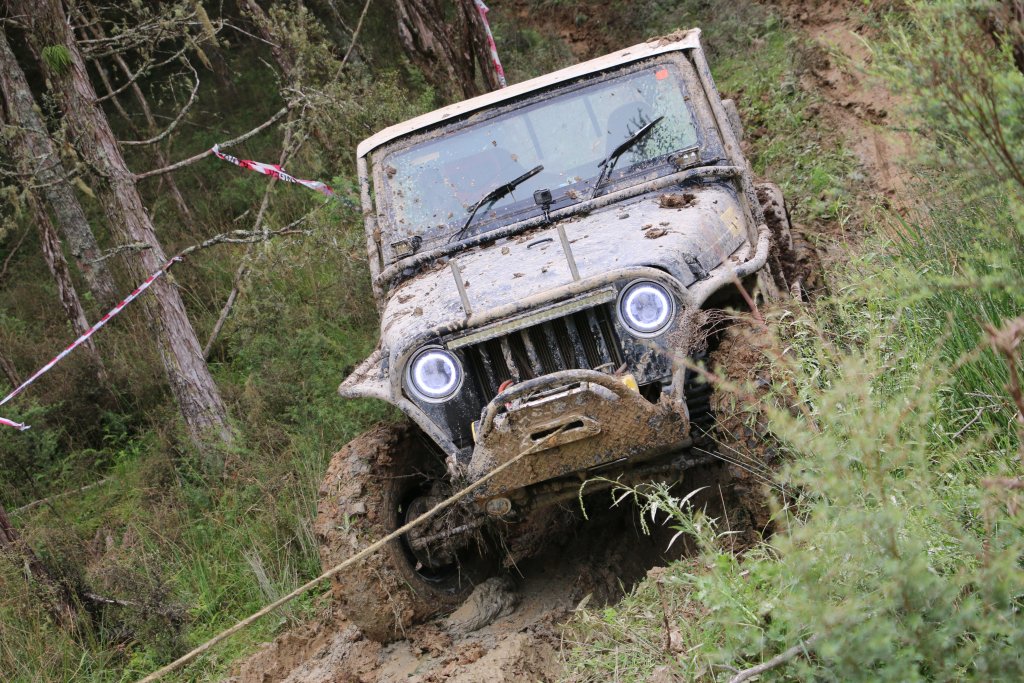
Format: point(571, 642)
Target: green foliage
point(196, 542)
point(58, 58)
point(957, 60)
point(899, 547)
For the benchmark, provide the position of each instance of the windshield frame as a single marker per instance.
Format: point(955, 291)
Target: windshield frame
point(709, 145)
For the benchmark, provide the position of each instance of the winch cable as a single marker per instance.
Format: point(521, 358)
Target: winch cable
point(338, 568)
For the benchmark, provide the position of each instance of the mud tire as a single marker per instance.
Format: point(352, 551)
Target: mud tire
point(740, 434)
point(795, 262)
point(361, 500)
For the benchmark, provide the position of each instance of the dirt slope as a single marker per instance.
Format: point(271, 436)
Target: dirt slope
point(600, 560)
point(857, 106)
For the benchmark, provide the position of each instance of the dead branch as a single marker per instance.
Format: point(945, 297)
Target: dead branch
point(230, 237)
point(234, 141)
point(1007, 483)
point(355, 37)
point(57, 496)
point(225, 311)
point(177, 119)
point(141, 36)
point(174, 613)
point(244, 237)
point(250, 35)
point(136, 246)
point(287, 149)
point(776, 661)
point(1005, 341)
point(145, 68)
point(10, 372)
point(14, 250)
point(56, 594)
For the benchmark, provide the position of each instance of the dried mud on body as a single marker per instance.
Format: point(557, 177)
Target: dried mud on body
point(596, 562)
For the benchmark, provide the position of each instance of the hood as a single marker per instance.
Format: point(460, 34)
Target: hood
point(685, 234)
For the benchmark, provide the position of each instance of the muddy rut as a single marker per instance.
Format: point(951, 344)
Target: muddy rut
point(510, 628)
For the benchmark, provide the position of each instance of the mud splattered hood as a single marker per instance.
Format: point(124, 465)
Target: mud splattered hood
point(686, 236)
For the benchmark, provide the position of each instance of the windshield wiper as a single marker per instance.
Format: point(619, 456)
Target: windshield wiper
point(609, 161)
point(493, 196)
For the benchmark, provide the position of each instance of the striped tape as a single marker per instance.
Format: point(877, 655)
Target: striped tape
point(84, 338)
point(274, 171)
point(498, 69)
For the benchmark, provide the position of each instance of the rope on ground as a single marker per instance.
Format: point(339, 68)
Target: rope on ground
point(337, 569)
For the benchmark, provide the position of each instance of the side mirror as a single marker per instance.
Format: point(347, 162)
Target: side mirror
point(733, 114)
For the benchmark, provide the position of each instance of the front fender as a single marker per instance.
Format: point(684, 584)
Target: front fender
point(369, 379)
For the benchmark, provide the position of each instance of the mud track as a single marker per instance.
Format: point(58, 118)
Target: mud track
point(593, 562)
point(508, 630)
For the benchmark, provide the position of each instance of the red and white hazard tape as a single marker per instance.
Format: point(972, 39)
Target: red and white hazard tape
point(274, 171)
point(85, 337)
point(482, 9)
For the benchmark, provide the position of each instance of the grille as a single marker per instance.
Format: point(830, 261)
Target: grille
point(583, 340)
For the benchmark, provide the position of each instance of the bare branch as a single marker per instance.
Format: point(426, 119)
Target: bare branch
point(243, 268)
point(776, 661)
point(109, 253)
point(355, 36)
point(177, 119)
point(254, 37)
point(234, 141)
point(244, 237)
point(230, 237)
point(145, 68)
point(10, 372)
point(173, 612)
point(14, 250)
point(1005, 340)
point(57, 496)
point(225, 310)
point(140, 36)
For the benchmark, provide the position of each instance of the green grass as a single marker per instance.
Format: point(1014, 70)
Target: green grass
point(889, 548)
point(893, 547)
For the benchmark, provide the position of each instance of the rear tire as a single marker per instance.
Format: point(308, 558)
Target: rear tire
point(379, 481)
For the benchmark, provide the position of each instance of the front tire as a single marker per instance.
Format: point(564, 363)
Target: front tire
point(375, 484)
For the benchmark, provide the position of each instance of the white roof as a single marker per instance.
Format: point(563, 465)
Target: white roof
point(679, 40)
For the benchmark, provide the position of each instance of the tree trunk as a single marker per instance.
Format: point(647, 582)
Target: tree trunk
point(58, 266)
point(197, 395)
point(281, 56)
point(476, 34)
point(58, 597)
point(443, 48)
point(209, 50)
point(152, 128)
point(53, 254)
point(49, 174)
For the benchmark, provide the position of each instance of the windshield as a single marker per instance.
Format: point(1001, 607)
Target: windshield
point(432, 186)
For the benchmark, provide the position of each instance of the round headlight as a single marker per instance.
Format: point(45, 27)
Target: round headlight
point(646, 308)
point(434, 374)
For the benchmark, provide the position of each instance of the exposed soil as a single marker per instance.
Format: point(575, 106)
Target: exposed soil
point(856, 106)
point(509, 629)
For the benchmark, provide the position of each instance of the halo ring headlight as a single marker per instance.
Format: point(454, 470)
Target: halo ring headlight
point(434, 374)
point(646, 308)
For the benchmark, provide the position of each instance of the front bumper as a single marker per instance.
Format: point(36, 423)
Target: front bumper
point(570, 422)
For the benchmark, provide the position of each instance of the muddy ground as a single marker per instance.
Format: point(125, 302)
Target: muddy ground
point(594, 562)
point(508, 630)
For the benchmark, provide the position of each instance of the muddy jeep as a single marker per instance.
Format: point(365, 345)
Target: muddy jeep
point(544, 258)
